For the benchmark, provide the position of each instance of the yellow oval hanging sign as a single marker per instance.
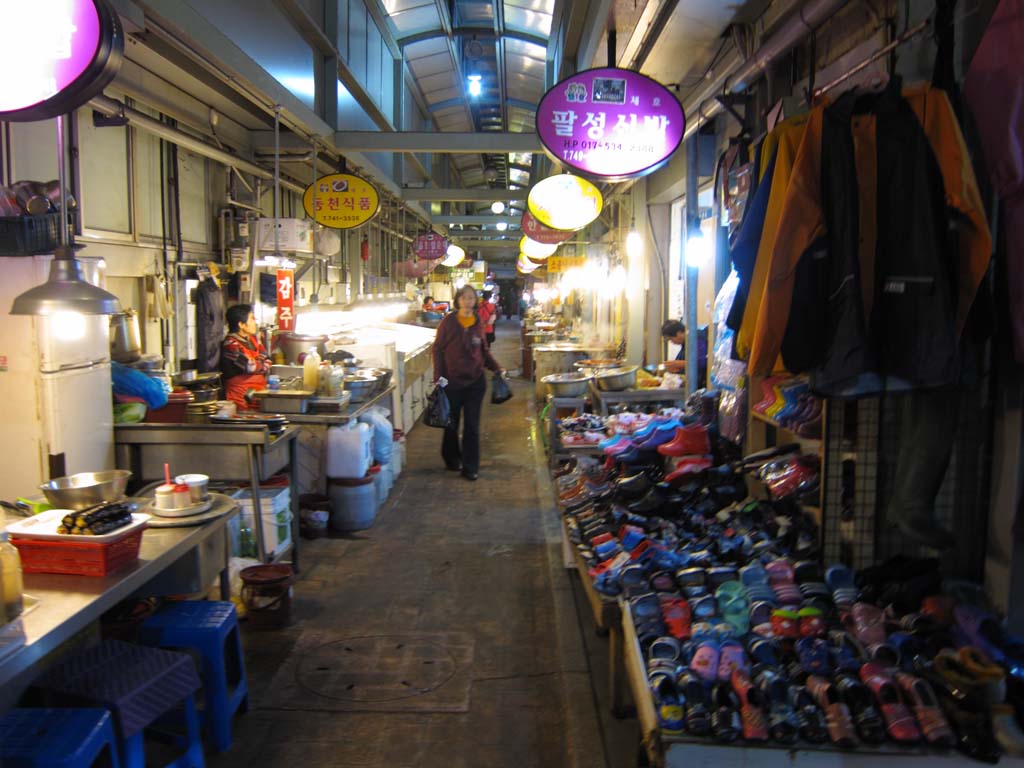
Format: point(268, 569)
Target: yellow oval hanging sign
point(342, 201)
point(564, 201)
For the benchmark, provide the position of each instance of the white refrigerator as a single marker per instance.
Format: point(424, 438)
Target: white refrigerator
point(55, 390)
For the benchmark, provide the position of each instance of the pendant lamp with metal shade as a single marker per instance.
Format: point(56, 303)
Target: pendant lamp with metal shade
point(66, 290)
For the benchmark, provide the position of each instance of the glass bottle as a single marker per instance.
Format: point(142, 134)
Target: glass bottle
point(10, 573)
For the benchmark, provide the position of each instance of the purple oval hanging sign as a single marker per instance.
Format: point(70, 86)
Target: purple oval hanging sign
point(534, 230)
point(58, 54)
point(610, 123)
point(430, 246)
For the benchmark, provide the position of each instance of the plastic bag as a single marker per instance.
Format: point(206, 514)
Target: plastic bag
point(500, 391)
point(128, 381)
point(727, 375)
point(439, 410)
point(383, 433)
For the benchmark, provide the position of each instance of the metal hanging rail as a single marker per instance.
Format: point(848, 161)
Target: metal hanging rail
point(883, 51)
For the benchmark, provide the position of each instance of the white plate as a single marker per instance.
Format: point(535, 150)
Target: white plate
point(44, 526)
point(191, 509)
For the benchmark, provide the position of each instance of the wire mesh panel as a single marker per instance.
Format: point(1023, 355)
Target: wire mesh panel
point(852, 481)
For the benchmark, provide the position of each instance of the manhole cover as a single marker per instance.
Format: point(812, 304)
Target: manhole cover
point(376, 668)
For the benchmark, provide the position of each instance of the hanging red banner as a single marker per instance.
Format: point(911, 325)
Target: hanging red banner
point(534, 230)
point(430, 246)
point(286, 300)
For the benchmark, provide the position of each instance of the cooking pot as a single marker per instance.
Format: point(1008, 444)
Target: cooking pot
point(294, 344)
point(125, 344)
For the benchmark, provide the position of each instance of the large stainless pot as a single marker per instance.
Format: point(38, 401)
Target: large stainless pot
point(616, 379)
point(294, 344)
point(125, 340)
point(567, 384)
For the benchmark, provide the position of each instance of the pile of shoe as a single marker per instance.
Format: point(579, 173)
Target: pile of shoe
point(585, 429)
point(774, 651)
point(789, 403)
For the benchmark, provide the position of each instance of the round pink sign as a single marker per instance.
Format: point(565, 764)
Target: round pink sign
point(430, 246)
point(540, 233)
point(58, 54)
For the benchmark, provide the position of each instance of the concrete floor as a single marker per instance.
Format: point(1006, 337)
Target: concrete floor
point(472, 573)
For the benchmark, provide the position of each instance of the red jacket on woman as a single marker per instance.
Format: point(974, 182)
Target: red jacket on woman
point(461, 354)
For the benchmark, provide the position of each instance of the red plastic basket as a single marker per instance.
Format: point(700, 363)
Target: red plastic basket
point(80, 558)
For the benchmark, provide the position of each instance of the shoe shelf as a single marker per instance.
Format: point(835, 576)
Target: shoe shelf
point(764, 432)
point(608, 622)
point(664, 750)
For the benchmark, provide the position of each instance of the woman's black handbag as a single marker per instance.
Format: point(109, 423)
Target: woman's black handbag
point(439, 410)
point(499, 390)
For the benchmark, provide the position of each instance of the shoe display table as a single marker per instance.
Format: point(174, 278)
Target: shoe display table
point(671, 751)
point(555, 410)
point(632, 398)
point(607, 617)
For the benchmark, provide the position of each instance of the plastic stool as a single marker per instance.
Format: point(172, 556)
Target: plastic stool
point(57, 738)
point(211, 628)
point(138, 685)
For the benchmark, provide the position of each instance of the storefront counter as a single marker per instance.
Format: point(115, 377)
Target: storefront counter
point(59, 606)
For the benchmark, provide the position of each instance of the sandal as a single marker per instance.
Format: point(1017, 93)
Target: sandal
point(695, 702)
point(839, 579)
point(783, 725)
point(705, 660)
point(667, 703)
point(733, 606)
point(898, 721)
point(868, 624)
point(837, 714)
point(725, 717)
point(752, 717)
point(862, 707)
point(927, 711)
point(676, 613)
point(813, 727)
point(785, 623)
point(731, 657)
point(812, 653)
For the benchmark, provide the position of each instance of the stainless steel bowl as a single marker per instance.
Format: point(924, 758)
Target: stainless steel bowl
point(361, 387)
point(567, 384)
point(86, 489)
point(616, 379)
point(383, 376)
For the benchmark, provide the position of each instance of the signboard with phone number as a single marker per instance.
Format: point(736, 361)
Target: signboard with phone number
point(610, 123)
point(342, 201)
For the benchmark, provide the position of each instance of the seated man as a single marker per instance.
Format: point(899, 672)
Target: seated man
point(675, 332)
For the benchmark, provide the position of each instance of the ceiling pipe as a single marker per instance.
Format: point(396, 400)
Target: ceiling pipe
point(737, 77)
point(113, 107)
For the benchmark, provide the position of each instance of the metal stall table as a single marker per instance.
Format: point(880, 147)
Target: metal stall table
point(60, 606)
point(224, 452)
point(630, 397)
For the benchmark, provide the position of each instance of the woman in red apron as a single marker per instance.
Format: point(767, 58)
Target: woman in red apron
point(243, 359)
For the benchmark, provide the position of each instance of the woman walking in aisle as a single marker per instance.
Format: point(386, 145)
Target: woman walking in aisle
point(461, 353)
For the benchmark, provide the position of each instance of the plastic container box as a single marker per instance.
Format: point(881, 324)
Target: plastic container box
point(276, 515)
point(349, 451)
point(77, 557)
point(29, 235)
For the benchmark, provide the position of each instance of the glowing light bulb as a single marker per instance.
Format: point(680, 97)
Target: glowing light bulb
point(501, 226)
point(698, 249)
point(497, 207)
point(634, 245)
point(68, 326)
point(475, 88)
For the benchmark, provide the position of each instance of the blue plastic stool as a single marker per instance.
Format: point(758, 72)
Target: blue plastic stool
point(211, 628)
point(138, 685)
point(57, 738)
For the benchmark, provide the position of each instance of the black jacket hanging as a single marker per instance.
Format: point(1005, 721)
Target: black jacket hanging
point(209, 325)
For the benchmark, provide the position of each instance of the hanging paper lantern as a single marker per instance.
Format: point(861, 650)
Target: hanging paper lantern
point(364, 250)
point(536, 250)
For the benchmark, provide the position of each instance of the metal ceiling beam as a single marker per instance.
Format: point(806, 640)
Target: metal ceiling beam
point(594, 22)
point(435, 141)
point(479, 219)
point(431, 195)
point(432, 34)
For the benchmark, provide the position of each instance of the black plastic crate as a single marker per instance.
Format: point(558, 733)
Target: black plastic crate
point(29, 235)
